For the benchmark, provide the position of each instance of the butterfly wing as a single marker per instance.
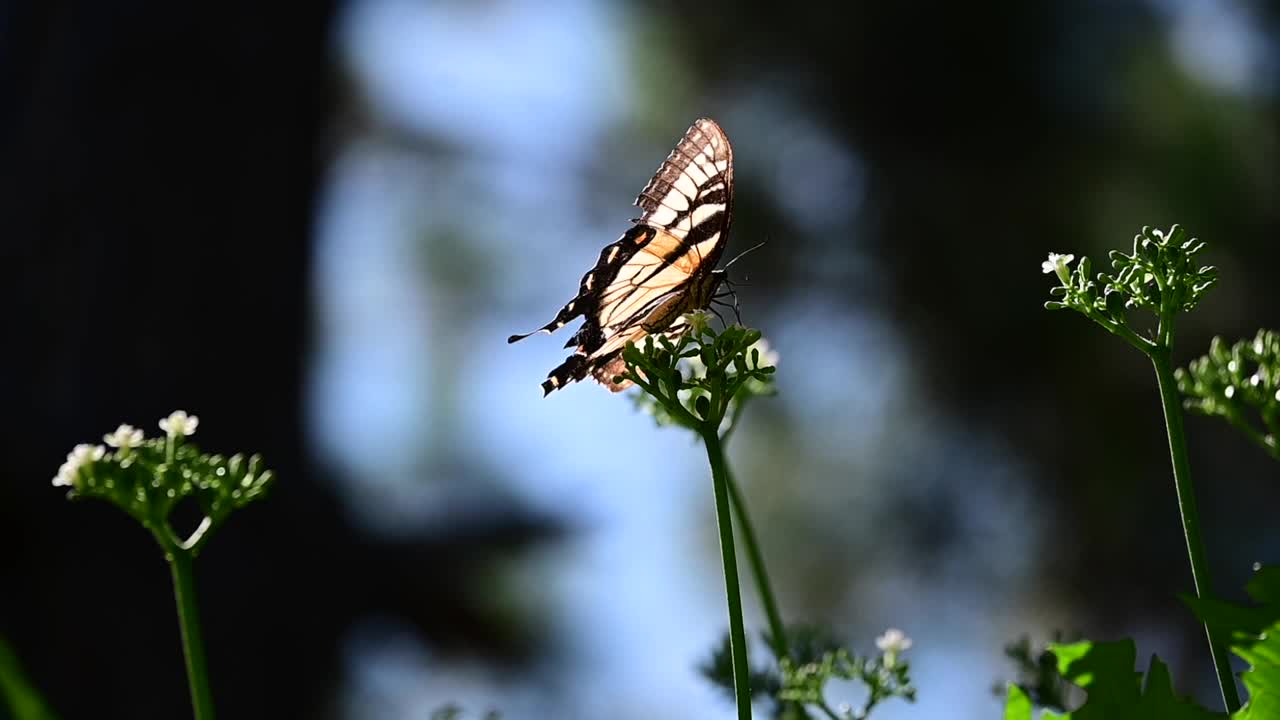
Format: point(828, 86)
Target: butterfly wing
point(691, 195)
point(660, 268)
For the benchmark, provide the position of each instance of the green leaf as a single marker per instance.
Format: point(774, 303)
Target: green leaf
point(1262, 679)
point(1115, 690)
point(1255, 637)
point(1037, 673)
point(1018, 705)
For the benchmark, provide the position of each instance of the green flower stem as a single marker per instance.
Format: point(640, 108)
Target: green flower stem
point(1190, 517)
point(777, 631)
point(737, 631)
point(826, 709)
point(184, 590)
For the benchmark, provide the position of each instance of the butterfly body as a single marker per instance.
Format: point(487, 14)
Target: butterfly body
point(660, 269)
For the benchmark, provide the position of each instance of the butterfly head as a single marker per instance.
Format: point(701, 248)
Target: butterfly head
point(707, 293)
point(706, 286)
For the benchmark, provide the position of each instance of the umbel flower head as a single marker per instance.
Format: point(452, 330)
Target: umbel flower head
point(1239, 383)
point(1162, 276)
point(700, 378)
point(148, 477)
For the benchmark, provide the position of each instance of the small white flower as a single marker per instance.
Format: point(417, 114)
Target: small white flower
point(81, 455)
point(85, 453)
point(697, 320)
point(180, 423)
point(65, 477)
point(1058, 264)
point(125, 437)
point(893, 641)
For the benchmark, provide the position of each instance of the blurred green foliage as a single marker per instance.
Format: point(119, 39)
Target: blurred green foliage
point(1240, 384)
point(1105, 670)
point(17, 692)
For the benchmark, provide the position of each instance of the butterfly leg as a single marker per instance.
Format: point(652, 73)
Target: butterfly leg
point(718, 315)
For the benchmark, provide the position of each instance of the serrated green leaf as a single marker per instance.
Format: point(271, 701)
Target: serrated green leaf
point(1255, 637)
point(1106, 672)
point(1262, 679)
point(1017, 706)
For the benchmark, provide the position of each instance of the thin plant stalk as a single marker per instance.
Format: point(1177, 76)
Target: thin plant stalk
point(733, 594)
point(1171, 401)
point(777, 631)
point(184, 591)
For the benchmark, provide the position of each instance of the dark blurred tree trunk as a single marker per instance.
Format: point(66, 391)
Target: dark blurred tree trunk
point(159, 168)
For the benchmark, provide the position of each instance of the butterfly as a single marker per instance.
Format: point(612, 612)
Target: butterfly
point(661, 268)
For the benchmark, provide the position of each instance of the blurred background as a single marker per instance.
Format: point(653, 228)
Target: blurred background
point(315, 226)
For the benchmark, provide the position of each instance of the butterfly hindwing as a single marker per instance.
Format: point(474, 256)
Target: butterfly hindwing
point(594, 282)
point(659, 269)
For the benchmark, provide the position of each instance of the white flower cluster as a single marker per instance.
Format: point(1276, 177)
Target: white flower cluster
point(125, 438)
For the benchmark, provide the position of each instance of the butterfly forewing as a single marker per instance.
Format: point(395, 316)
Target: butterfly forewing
point(658, 270)
point(690, 195)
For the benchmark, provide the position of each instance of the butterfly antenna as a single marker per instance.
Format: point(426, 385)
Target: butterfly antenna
point(742, 254)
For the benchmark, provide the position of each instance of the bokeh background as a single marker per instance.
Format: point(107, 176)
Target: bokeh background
point(315, 226)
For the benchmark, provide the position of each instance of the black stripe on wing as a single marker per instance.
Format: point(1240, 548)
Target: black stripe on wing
point(586, 302)
point(691, 194)
point(571, 370)
point(604, 368)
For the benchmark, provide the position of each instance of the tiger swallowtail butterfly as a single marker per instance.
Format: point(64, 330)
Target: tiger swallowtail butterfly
point(660, 269)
